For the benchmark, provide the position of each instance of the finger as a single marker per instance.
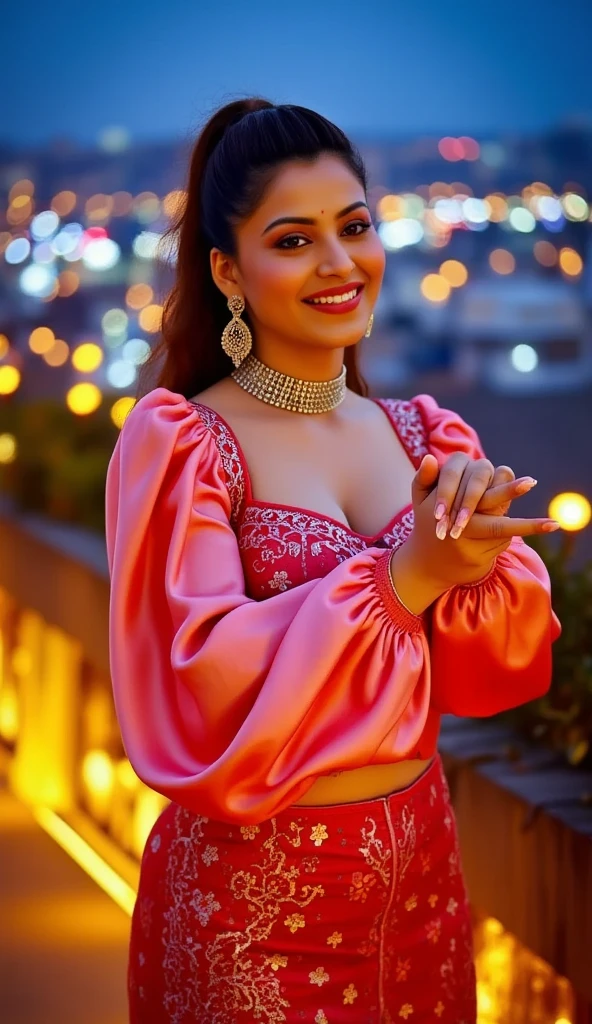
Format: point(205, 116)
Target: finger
point(505, 493)
point(449, 479)
point(424, 480)
point(483, 527)
point(502, 475)
point(478, 480)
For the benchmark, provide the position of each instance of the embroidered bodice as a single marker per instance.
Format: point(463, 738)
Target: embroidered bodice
point(282, 546)
point(232, 705)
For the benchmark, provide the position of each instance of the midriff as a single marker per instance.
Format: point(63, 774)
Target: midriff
point(363, 783)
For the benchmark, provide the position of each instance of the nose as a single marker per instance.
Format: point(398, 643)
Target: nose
point(336, 261)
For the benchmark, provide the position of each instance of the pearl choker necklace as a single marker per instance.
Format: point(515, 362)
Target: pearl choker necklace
point(275, 388)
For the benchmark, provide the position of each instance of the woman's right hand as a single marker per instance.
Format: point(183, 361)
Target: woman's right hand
point(425, 566)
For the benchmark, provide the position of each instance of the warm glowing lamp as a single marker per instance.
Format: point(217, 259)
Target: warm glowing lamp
point(571, 510)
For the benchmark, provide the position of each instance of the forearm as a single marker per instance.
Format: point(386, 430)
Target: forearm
point(418, 586)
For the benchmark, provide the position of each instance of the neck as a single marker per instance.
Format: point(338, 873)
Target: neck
point(306, 364)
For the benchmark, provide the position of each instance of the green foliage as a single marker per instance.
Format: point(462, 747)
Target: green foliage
point(61, 460)
point(562, 719)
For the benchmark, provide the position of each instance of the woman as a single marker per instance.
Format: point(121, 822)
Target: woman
point(303, 580)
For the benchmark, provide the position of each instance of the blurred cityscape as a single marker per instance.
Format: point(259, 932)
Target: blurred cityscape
point(486, 301)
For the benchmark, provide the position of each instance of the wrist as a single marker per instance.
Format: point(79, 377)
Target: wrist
point(414, 586)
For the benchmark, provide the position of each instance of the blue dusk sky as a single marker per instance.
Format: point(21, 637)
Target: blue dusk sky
point(378, 68)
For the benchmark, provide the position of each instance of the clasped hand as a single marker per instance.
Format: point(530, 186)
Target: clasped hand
point(460, 521)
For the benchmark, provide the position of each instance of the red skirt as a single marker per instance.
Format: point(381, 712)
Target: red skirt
point(350, 913)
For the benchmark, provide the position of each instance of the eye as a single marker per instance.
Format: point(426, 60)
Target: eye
point(362, 224)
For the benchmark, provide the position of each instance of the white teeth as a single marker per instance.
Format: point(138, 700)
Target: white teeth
point(337, 298)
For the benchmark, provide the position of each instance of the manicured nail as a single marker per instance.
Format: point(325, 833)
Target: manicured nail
point(526, 485)
point(440, 510)
point(460, 523)
point(441, 528)
point(550, 527)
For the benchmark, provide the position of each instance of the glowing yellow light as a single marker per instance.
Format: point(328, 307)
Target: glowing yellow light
point(435, 288)
point(41, 340)
point(138, 295)
point(63, 203)
point(126, 775)
point(147, 808)
point(87, 357)
point(563, 1020)
point(97, 771)
point(20, 201)
point(58, 353)
point(21, 661)
point(502, 261)
point(9, 719)
point(4, 346)
point(120, 410)
point(455, 273)
point(10, 379)
point(24, 187)
point(88, 859)
point(150, 318)
point(83, 399)
point(570, 262)
point(571, 510)
point(7, 448)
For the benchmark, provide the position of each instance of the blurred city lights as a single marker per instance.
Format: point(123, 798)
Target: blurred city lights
point(101, 254)
point(150, 318)
point(435, 288)
point(136, 351)
point(58, 354)
point(121, 409)
point(502, 261)
point(121, 373)
point(10, 379)
point(17, 251)
point(63, 203)
point(37, 281)
point(145, 245)
point(522, 219)
point(396, 234)
point(87, 357)
point(83, 398)
point(44, 225)
point(571, 510)
point(570, 262)
point(455, 273)
point(4, 346)
point(7, 448)
point(138, 295)
point(524, 358)
point(545, 253)
point(576, 208)
point(41, 340)
point(114, 322)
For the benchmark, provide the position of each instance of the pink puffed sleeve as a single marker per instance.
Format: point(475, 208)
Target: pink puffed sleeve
point(490, 642)
point(230, 706)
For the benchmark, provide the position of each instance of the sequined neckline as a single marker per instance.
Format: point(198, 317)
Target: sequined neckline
point(250, 501)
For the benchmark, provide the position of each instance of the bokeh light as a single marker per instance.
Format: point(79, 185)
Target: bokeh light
point(10, 378)
point(571, 510)
point(7, 448)
point(570, 262)
point(502, 261)
point(87, 357)
point(455, 273)
point(121, 409)
point(435, 288)
point(41, 340)
point(83, 398)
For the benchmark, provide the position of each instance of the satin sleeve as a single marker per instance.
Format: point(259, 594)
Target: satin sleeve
point(227, 705)
point(490, 642)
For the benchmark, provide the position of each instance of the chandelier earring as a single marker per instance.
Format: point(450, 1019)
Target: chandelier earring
point(369, 327)
point(237, 339)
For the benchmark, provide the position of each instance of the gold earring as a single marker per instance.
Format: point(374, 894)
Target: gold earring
point(236, 336)
point(369, 327)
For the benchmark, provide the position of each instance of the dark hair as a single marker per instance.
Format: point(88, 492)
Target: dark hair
point(233, 162)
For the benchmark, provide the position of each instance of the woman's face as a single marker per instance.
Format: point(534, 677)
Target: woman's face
point(279, 265)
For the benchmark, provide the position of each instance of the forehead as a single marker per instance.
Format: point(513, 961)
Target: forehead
point(299, 187)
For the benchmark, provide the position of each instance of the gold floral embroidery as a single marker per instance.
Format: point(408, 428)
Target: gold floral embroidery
point(335, 939)
point(452, 906)
point(433, 930)
point(280, 580)
point(402, 969)
point(360, 886)
point(319, 976)
point(433, 899)
point(375, 854)
point(349, 994)
point(439, 1009)
point(411, 903)
point(319, 834)
point(249, 831)
point(276, 961)
point(310, 864)
point(320, 1017)
point(406, 1011)
point(294, 922)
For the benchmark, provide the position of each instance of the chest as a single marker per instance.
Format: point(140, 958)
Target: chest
point(303, 502)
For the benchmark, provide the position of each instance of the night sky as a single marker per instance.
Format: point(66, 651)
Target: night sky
point(377, 67)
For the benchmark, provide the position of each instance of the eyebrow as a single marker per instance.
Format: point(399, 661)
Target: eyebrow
point(310, 220)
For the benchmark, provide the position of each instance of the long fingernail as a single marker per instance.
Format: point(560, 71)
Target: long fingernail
point(461, 521)
point(526, 485)
point(440, 510)
point(550, 527)
point(442, 528)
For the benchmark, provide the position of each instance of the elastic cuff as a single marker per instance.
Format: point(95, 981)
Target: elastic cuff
point(400, 615)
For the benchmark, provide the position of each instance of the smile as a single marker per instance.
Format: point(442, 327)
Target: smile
point(337, 303)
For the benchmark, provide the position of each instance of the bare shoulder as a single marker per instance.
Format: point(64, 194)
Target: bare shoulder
point(219, 396)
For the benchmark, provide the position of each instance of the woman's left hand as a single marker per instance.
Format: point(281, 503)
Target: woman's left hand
point(474, 485)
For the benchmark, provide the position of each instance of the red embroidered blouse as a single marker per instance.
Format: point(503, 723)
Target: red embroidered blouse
point(256, 646)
